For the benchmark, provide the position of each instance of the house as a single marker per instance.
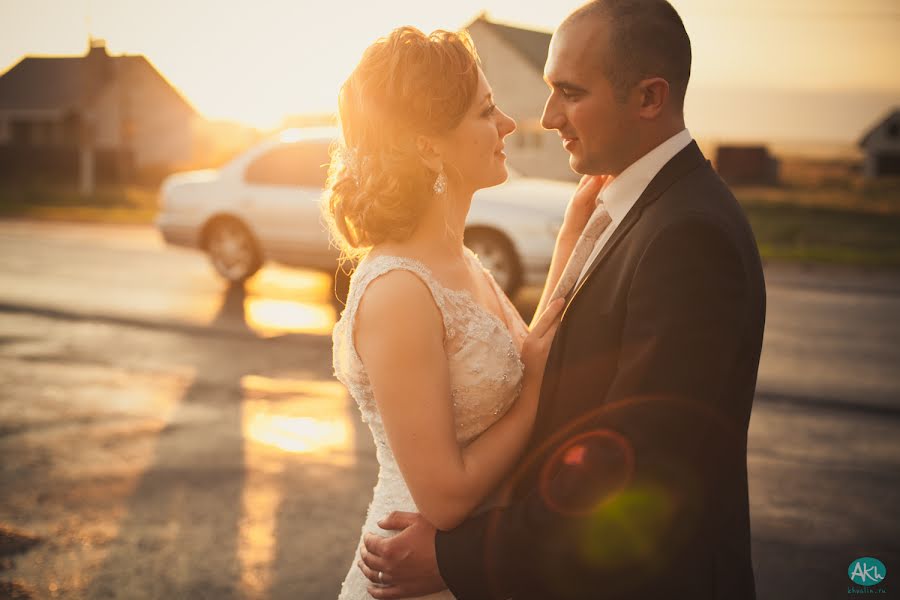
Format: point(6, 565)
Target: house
point(95, 115)
point(746, 165)
point(513, 61)
point(882, 147)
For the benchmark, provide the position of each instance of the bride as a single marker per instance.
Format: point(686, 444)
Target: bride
point(444, 370)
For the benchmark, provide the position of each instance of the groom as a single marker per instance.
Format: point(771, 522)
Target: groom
point(634, 483)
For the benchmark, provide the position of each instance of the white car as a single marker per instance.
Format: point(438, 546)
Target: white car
point(265, 205)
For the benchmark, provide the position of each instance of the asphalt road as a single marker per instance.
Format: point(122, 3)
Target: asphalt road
point(164, 436)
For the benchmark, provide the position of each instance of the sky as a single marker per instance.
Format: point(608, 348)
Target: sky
point(258, 61)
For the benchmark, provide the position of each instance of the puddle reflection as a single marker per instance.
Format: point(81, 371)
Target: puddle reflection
point(274, 279)
point(279, 301)
point(257, 540)
point(299, 416)
point(299, 434)
point(270, 317)
point(283, 420)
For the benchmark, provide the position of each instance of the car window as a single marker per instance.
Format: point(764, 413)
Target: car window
point(296, 164)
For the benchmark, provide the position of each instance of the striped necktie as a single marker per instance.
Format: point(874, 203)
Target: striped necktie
point(594, 228)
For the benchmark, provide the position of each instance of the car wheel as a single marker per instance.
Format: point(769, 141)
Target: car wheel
point(498, 256)
point(232, 250)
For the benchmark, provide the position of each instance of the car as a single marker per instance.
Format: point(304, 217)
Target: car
point(264, 205)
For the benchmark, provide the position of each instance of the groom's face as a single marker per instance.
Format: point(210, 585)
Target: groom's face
point(597, 129)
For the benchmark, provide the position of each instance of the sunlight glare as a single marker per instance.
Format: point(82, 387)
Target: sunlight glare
point(281, 300)
point(274, 279)
point(284, 419)
point(299, 434)
point(256, 542)
point(276, 317)
point(305, 417)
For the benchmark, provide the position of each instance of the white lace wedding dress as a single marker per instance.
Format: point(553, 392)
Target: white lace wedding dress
point(485, 378)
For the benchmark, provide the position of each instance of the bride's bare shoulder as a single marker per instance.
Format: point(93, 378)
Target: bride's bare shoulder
point(397, 303)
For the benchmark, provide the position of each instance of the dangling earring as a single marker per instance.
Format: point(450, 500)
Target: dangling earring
point(440, 183)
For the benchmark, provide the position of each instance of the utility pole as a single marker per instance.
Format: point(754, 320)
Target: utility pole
point(86, 155)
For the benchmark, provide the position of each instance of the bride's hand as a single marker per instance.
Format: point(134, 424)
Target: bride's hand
point(582, 205)
point(536, 346)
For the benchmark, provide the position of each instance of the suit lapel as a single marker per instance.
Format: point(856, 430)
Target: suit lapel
point(680, 165)
point(689, 159)
point(684, 162)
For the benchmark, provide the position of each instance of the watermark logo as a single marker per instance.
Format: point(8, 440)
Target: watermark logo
point(867, 571)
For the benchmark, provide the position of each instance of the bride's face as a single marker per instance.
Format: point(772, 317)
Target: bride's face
point(472, 153)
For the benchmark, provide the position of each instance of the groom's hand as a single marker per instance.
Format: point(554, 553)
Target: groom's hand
point(405, 565)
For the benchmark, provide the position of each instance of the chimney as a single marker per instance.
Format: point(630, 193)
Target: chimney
point(96, 48)
point(97, 71)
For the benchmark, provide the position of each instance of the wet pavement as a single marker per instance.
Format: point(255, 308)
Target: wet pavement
point(165, 436)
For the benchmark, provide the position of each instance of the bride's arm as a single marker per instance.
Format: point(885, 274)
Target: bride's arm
point(578, 212)
point(399, 337)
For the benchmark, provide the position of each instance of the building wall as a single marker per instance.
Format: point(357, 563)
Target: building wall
point(33, 128)
point(158, 125)
point(136, 112)
point(104, 116)
point(520, 91)
point(139, 112)
point(135, 121)
point(884, 163)
point(883, 146)
point(887, 137)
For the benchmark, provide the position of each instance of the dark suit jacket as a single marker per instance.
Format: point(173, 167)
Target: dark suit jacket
point(634, 483)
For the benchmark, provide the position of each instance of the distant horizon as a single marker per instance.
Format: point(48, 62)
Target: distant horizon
point(763, 127)
point(818, 70)
point(708, 121)
point(279, 46)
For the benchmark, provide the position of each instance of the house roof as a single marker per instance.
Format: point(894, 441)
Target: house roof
point(63, 83)
point(894, 115)
point(530, 43)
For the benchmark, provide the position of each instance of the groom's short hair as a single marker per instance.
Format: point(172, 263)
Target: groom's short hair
point(646, 39)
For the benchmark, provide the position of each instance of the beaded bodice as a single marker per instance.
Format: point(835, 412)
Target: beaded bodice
point(485, 374)
point(482, 352)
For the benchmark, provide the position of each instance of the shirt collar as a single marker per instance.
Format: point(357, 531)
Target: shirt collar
point(619, 194)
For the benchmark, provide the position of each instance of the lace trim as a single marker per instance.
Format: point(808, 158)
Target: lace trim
point(370, 270)
point(465, 317)
point(417, 266)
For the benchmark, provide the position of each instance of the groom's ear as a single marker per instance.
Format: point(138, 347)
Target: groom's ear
point(429, 154)
point(653, 93)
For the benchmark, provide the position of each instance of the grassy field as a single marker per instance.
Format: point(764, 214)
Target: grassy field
point(794, 232)
point(109, 204)
point(821, 212)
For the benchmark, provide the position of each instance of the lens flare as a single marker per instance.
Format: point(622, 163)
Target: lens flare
point(626, 480)
point(628, 528)
point(585, 471)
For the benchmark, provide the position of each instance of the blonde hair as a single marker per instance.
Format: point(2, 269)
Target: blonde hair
point(406, 85)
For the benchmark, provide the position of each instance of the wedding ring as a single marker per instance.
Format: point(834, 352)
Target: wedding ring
point(381, 577)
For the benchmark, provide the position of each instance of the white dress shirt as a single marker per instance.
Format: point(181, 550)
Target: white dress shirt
point(620, 194)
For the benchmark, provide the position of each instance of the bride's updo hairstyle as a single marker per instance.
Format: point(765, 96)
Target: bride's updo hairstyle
point(406, 85)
